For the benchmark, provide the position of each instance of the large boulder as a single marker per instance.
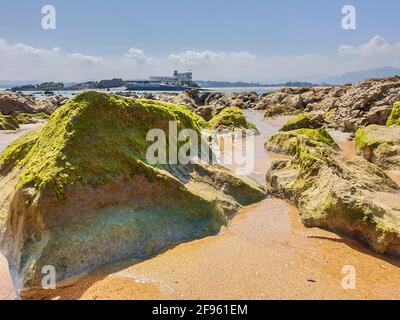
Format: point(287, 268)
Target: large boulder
point(304, 121)
point(80, 192)
point(286, 142)
point(350, 196)
point(229, 119)
point(380, 145)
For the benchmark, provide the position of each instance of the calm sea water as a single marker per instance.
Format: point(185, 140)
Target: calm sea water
point(69, 94)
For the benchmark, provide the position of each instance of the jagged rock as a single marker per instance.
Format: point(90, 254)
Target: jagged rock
point(354, 107)
point(80, 193)
point(12, 103)
point(380, 145)
point(378, 115)
point(339, 194)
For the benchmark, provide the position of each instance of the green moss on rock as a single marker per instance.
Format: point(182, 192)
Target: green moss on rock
point(394, 118)
point(112, 132)
point(91, 154)
point(26, 118)
point(303, 121)
point(8, 123)
point(380, 145)
point(287, 142)
point(230, 119)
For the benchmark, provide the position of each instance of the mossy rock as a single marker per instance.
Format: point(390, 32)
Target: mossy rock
point(281, 110)
point(303, 121)
point(82, 193)
point(394, 118)
point(380, 145)
point(229, 119)
point(287, 142)
point(8, 123)
point(340, 195)
point(27, 118)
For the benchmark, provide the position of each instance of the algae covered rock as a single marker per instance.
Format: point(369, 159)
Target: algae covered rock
point(380, 145)
point(8, 123)
point(304, 121)
point(394, 118)
point(350, 196)
point(229, 119)
point(80, 193)
point(27, 118)
point(286, 142)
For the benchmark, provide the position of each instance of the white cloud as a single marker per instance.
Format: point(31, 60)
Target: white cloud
point(84, 58)
point(138, 56)
point(24, 62)
point(192, 58)
point(376, 46)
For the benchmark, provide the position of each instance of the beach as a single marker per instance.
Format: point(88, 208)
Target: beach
point(264, 253)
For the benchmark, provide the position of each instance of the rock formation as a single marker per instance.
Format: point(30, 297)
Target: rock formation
point(80, 192)
point(230, 119)
point(12, 103)
point(334, 192)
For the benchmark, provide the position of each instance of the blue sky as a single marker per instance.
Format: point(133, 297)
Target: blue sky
point(260, 40)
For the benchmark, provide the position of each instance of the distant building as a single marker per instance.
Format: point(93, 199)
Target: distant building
point(176, 82)
point(176, 78)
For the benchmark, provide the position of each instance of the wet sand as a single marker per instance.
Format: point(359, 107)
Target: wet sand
point(264, 253)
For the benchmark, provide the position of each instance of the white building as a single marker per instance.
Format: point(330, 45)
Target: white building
point(176, 78)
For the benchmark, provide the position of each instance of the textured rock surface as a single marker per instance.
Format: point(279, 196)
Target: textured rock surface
point(8, 123)
point(304, 121)
point(230, 119)
point(394, 117)
point(380, 145)
point(351, 196)
point(79, 193)
point(12, 103)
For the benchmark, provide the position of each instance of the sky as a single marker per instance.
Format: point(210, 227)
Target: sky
point(235, 40)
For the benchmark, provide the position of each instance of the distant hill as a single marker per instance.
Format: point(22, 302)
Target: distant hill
point(240, 84)
point(13, 83)
point(357, 76)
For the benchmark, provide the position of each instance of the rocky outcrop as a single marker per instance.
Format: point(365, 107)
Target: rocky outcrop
point(287, 142)
point(230, 119)
point(344, 108)
point(80, 193)
point(354, 108)
point(304, 121)
point(8, 123)
point(380, 145)
point(350, 196)
point(12, 103)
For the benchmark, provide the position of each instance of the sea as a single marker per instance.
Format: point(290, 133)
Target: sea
point(70, 93)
